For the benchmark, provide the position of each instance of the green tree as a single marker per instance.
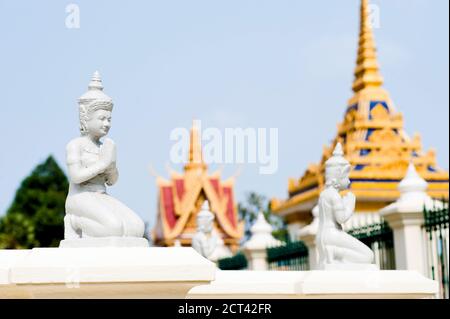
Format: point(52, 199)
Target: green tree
point(16, 231)
point(36, 216)
point(249, 210)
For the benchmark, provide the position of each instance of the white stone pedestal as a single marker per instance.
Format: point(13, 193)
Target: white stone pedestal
point(104, 242)
point(102, 272)
point(316, 285)
point(349, 267)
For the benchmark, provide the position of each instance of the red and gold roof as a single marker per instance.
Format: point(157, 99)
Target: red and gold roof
point(181, 197)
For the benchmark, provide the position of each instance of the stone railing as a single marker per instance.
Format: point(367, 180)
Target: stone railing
point(182, 273)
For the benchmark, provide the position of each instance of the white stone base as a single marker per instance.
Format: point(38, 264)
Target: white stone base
point(104, 242)
point(350, 267)
point(102, 272)
point(183, 273)
point(316, 285)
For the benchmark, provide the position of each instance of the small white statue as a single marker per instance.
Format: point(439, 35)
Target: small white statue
point(205, 240)
point(90, 211)
point(335, 246)
point(221, 251)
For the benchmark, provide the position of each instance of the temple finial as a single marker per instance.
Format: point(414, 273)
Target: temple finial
point(367, 72)
point(195, 148)
point(96, 82)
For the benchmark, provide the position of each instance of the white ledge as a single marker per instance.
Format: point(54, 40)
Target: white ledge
point(316, 285)
point(114, 242)
point(102, 272)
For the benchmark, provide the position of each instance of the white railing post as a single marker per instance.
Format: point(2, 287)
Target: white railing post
point(308, 235)
point(405, 217)
point(255, 249)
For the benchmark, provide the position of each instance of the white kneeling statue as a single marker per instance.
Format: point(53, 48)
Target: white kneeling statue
point(206, 241)
point(336, 248)
point(94, 218)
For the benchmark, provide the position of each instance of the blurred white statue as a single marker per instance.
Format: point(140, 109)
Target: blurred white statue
point(335, 246)
point(91, 161)
point(206, 241)
point(221, 251)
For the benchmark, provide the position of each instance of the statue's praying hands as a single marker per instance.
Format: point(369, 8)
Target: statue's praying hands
point(108, 156)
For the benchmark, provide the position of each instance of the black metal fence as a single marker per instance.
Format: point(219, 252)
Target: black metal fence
point(380, 239)
point(289, 256)
point(237, 262)
point(437, 233)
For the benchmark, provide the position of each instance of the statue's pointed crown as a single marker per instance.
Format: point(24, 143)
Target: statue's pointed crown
point(96, 82)
point(337, 159)
point(205, 211)
point(95, 92)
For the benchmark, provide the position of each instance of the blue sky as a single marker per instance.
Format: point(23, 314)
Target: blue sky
point(286, 64)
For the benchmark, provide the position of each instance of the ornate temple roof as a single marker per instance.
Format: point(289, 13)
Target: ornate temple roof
point(181, 197)
point(373, 139)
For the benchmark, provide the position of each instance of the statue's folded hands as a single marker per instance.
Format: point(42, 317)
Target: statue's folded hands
point(112, 175)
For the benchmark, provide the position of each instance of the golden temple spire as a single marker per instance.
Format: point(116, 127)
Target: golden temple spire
point(367, 73)
point(195, 149)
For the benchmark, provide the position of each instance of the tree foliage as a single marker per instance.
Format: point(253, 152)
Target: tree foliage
point(36, 215)
point(249, 210)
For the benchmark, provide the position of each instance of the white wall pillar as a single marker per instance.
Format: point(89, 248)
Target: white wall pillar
point(308, 235)
point(409, 247)
point(313, 255)
point(293, 229)
point(405, 217)
point(257, 259)
point(255, 249)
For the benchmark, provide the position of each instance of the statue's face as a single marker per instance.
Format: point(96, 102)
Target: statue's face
point(206, 224)
point(99, 123)
point(344, 181)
